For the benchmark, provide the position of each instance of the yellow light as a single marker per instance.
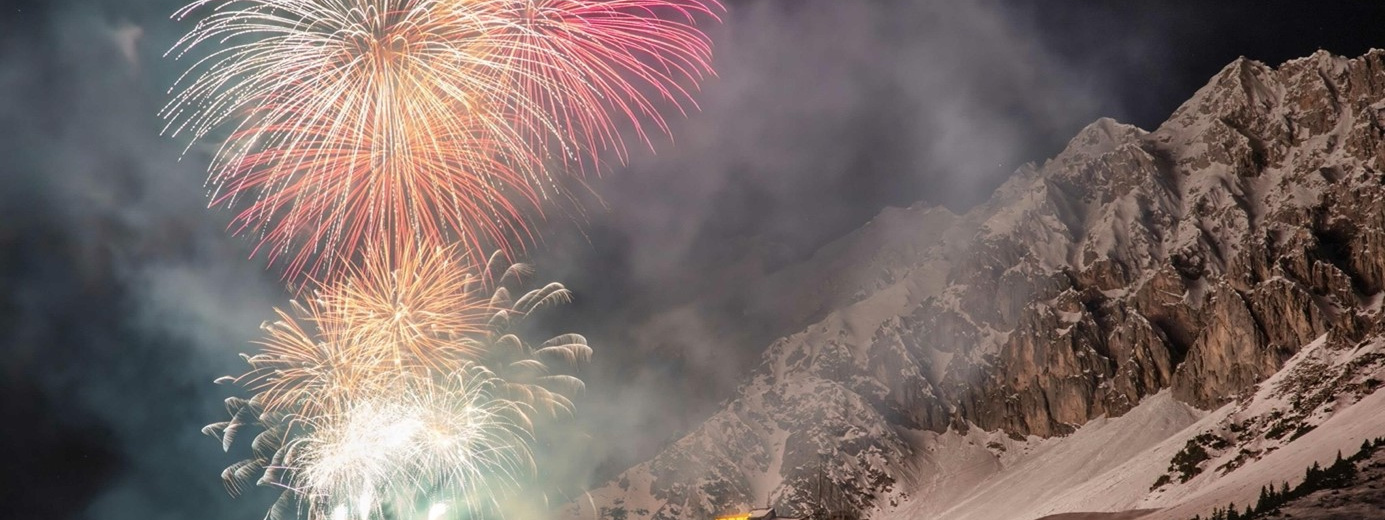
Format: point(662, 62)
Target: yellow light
point(436, 512)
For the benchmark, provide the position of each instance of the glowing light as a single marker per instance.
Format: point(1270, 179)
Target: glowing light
point(364, 505)
point(428, 435)
point(436, 512)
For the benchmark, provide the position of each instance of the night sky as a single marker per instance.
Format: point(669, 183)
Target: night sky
point(122, 297)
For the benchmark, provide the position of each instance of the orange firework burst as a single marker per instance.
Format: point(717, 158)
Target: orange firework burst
point(357, 122)
point(408, 308)
point(400, 312)
point(415, 312)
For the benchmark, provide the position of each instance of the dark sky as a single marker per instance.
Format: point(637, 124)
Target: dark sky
point(121, 297)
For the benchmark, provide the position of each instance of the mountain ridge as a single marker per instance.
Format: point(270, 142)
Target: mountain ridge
point(1184, 265)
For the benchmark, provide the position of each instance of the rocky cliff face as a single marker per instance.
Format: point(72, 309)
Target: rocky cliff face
point(1196, 258)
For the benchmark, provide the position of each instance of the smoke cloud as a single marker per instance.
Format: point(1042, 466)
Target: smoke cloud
point(824, 112)
point(122, 297)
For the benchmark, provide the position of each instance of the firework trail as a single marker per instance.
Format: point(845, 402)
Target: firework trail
point(407, 379)
point(350, 122)
point(589, 65)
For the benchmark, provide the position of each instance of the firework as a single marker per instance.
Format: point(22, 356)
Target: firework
point(335, 190)
point(410, 307)
point(589, 65)
point(417, 312)
point(349, 122)
point(407, 379)
point(448, 440)
point(452, 441)
point(400, 312)
point(375, 133)
point(531, 375)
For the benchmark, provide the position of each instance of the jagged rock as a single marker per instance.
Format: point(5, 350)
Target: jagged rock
point(1230, 355)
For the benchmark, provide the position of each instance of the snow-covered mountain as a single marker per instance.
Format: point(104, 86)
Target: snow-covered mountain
point(1159, 321)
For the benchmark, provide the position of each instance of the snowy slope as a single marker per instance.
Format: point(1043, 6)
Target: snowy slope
point(1109, 465)
point(1085, 471)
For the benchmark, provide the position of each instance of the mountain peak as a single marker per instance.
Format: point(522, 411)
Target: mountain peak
point(1097, 138)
